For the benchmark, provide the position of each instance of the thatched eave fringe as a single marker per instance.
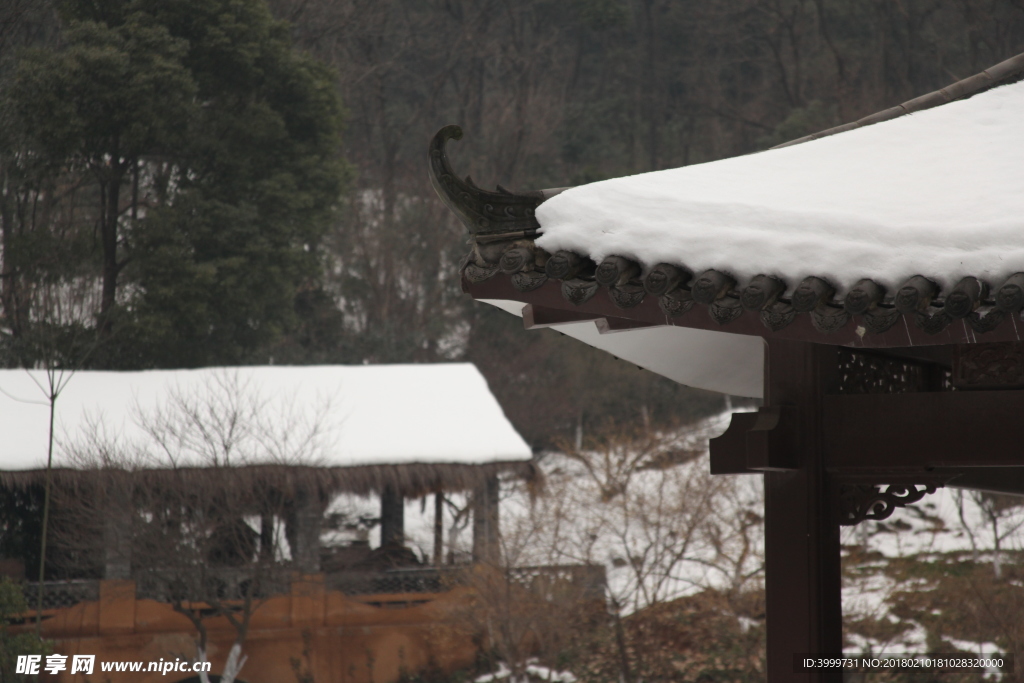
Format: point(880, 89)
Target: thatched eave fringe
point(412, 480)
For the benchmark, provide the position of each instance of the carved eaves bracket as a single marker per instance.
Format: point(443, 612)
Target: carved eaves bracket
point(859, 501)
point(763, 441)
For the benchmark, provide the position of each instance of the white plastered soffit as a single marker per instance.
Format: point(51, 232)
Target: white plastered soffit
point(716, 361)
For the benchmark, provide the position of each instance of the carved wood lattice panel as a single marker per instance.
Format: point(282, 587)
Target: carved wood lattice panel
point(862, 373)
point(989, 366)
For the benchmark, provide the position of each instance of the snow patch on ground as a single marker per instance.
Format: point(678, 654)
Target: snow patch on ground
point(533, 671)
point(573, 524)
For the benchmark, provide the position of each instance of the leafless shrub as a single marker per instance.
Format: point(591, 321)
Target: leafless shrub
point(643, 509)
point(210, 547)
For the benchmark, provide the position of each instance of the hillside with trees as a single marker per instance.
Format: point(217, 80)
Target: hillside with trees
point(197, 183)
point(169, 171)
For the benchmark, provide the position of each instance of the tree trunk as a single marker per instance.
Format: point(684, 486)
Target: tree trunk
point(438, 529)
point(8, 309)
point(233, 665)
point(111, 200)
point(620, 643)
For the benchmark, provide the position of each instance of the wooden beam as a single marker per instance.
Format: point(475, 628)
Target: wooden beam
point(924, 430)
point(607, 325)
point(852, 332)
point(1009, 480)
point(887, 433)
point(538, 317)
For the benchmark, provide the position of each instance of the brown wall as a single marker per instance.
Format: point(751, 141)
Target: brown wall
point(349, 640)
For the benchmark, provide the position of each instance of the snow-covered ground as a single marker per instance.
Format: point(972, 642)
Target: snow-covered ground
point(533, 671)
point(663, 531)
point(943, 530)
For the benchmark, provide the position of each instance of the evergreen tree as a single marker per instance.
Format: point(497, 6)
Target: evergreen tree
point(201, 152)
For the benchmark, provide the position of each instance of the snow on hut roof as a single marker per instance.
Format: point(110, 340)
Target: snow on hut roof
point(937, 193)
point(325, 416)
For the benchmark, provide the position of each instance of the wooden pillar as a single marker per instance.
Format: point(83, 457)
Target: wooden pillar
point(802, 553)
point(438, 529)
point(303, 530)
point(392, 517)
point(266, 538)
point(486, 539)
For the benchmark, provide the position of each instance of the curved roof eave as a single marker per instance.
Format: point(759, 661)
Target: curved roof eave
point(538, 246)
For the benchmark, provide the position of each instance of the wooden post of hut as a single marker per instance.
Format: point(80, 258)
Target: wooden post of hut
point(866, 282)
point(486, 538)
point(305, 513)
point(392, 517)
point(432, 453)
point(438, 529)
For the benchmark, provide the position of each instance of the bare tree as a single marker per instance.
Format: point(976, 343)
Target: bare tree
point(999, 517)
point(645, 509)
point(649, 507)
point(177, 514)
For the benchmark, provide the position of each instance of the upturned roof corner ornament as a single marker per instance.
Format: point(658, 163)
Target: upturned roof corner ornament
point(499, 215)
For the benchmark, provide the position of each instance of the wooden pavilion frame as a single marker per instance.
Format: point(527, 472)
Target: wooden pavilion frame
point(304, 491)
point(871, 401)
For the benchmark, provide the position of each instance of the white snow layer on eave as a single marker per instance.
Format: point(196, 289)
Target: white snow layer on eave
point(314, 415)
point(938, 193)
point(717, 361)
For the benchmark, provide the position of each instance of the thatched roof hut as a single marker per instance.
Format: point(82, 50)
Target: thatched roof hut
point(297, 435)
point(357, 429)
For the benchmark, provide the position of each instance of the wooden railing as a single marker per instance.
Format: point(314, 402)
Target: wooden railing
point(231, 584)
point(59, 594)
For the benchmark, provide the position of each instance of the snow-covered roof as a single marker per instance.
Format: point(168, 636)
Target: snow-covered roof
point(898, 230)
point(938, 193)
point(331, 416)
